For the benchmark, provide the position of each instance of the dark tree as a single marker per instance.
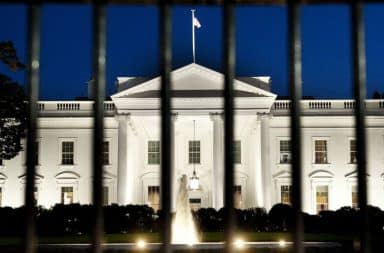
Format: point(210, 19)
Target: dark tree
point(376, 95)
point(12, 105)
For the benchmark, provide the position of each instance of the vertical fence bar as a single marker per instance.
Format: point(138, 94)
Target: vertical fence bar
point(166, 126)
point(359, 87)
point(33, 79)
point(295, 84)
point(229, 76)
point(99, 43)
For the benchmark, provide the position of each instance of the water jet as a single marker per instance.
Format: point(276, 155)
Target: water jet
point(183, 226)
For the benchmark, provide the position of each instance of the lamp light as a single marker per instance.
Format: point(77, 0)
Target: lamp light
point(194, 181)
point(141, 244)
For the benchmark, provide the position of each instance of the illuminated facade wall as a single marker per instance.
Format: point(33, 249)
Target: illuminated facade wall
point(262, 153)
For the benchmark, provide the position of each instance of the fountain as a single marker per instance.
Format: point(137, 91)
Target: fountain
point(183, 227)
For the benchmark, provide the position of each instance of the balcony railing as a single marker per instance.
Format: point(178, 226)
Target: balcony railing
point(329, 106)
point(72, 106)
point(347, 105)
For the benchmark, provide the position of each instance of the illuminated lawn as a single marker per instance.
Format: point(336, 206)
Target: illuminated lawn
point(264, 243)
point(205, 237)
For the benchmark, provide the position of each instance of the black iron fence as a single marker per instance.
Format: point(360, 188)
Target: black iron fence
point(295, 67)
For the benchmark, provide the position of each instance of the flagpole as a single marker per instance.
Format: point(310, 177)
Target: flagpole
point(193, 35)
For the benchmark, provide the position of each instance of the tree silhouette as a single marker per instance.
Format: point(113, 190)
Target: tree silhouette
point(12, 105)
point(376, 95)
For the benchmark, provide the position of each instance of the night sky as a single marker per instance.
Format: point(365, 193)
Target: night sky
point(132, 44)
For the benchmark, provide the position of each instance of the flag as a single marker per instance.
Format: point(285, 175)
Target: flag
point(196, 22)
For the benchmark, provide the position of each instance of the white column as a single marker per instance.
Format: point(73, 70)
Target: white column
point(256, 165)
point(218, 161)
point(265, 154)
point(125, 172)
point(175, 170)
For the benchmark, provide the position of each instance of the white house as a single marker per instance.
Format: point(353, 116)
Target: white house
point(261, 147)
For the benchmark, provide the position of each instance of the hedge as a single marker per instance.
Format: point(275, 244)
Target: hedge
point(77, 219)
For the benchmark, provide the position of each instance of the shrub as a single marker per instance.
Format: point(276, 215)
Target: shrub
point(207, 219)
point(281, 217)
point(253, 219)
point(77, 219)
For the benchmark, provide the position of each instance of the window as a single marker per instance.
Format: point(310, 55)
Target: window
point(105, 196)
point(106, 153)
point(286, 194)
point(352, 151)
point(237, 151)
point(195, 204)
point(355, 198)
point(321, 153)
point(154, 197)
point(153, 152)
point(67, 148)
point(237, 196)
point(321, 198)
point(66, 195)
point(194, 152)
point(285, 151)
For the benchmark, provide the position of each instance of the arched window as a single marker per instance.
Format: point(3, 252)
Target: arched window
point(321, 187)
point(67, 187)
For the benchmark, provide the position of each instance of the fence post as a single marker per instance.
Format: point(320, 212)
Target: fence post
point(33, 80)
point(99, 58)
point(295, 84)
point(165, 22)
point(229, 76)
point(359, 88)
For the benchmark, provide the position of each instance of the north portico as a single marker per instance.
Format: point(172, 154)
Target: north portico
point(197, 108)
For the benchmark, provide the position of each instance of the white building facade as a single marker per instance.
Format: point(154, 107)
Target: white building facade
point(262, 147)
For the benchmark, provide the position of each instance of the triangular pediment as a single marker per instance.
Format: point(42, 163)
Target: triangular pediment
point(3, 178)
point(192, 80)
point(354, 175)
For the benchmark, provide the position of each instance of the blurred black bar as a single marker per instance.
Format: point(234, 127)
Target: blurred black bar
point(165, 21)
point(229, 76)
point(99, 58)
point(295, 84)
point(33, 80)
point(359, 86)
